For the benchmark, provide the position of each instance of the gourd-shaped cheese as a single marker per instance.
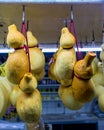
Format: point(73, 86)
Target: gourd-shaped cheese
point(37, 58)
point(16, 66)
point(66, 58)
point(29, 106)
point(66, 95)
point(98, 79)
point(29, 102)
point(83, 86)
point(15, 39)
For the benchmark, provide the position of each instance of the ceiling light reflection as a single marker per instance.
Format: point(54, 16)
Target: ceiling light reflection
point(55, 49)
point(51, 1)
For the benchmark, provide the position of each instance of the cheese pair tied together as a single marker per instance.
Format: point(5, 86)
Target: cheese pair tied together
point(65, 58)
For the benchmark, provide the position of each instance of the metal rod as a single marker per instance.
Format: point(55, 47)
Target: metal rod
point(23, 13)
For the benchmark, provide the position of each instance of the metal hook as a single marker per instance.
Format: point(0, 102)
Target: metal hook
point(86, 40)
point(71, 12)
point(27, 24)
point(93, 35)
point(103, 34)
point(23, 13)
point(103, 28)
point(4, 44)
point(65, 22)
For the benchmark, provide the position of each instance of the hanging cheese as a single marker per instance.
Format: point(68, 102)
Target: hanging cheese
point(29, 106)
point(83, 86)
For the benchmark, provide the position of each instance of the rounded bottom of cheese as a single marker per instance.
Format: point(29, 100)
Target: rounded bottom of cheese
point(29, 106)
point(66, 95)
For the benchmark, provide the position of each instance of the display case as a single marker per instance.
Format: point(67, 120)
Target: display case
point(57, 116)
point(54, 114)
